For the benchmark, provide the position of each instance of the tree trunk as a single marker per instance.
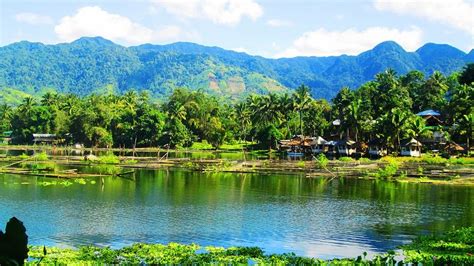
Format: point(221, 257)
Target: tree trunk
point(301, 123)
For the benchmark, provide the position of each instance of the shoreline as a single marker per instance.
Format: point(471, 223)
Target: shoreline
point(396, 169)
point(452, 247)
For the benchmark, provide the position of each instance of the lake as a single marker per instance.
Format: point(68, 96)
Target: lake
point(280, 213)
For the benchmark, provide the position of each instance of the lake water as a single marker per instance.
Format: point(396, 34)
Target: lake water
point(280, 213)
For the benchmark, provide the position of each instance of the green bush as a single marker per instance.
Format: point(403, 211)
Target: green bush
point(322, 161)
point(346, 159)
point(42, 156)
point(109, 159)
point(387, 172)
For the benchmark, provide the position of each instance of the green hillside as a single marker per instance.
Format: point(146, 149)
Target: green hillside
point(90, 64)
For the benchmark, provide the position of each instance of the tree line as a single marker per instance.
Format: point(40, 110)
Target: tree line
point(383, 108)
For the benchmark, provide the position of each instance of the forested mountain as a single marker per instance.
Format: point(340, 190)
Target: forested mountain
point(90, 64)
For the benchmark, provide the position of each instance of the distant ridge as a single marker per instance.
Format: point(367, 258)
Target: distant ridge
point(92, 63)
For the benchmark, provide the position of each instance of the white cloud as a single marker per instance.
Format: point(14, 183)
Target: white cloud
point(228, 12)
point(456, 13)
point(94, 21)
point(322, 42)
point(32, 18)
point(279, 23)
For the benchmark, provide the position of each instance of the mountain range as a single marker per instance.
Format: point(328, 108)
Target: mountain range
point(92, 64)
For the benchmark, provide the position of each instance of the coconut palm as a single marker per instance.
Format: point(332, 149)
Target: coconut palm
point(302, 99)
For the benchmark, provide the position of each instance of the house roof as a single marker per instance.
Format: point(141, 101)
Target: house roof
point(297, 140)
point(428, 113)
point(318, 141)
point(44, 135)
point(453, 146)
point(410, 142)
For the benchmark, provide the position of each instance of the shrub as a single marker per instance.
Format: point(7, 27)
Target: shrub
point(322, 161)
point(109, 159)
point(41, 156)
point(387, 172)
point(346, 159)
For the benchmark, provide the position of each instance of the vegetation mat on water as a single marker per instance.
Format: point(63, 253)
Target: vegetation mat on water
point(174, 253)
point(453, 248)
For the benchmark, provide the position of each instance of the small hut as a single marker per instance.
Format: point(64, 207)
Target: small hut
point(44, 138)
point(452, 147)
point(410, 147)
point(346, 147)
point(6, 137)
point(377, 148)
point(318, 145)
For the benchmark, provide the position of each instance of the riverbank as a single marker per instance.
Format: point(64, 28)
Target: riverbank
point(454, 247)
point(426, 169)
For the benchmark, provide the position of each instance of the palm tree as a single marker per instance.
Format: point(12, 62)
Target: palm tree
point(355, 116)
point(27, 105)
point(302, 100)
point(49, 99)
point(398, 121)
point(242, 114)
point(417, 127)
point(466, 124)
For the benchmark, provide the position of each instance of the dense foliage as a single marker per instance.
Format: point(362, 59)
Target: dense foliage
point(455, 247)
point(87, 64)
point(383, 108)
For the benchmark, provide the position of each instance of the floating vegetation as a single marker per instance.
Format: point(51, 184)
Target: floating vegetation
point(179, 254)
point(453, 248)
point(81, 181)
point(42, 156)
point(65, 183)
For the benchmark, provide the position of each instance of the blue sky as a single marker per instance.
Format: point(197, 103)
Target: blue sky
point(278, 28)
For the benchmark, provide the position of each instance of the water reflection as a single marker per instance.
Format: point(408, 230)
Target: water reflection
point(312, 217)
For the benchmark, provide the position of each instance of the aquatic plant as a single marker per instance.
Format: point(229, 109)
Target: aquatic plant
point(387, 172)
point(322, 161)
point(109, 159)
point(452, 248)
point(346, 159)
point(42, 156)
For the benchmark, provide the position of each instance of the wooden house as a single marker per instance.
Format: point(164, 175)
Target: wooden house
point(435, 124)
point(45, 138)
point(296, 146)
point(377, 148)
point(346, 147)
point(318, 145)
point(410, 147)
